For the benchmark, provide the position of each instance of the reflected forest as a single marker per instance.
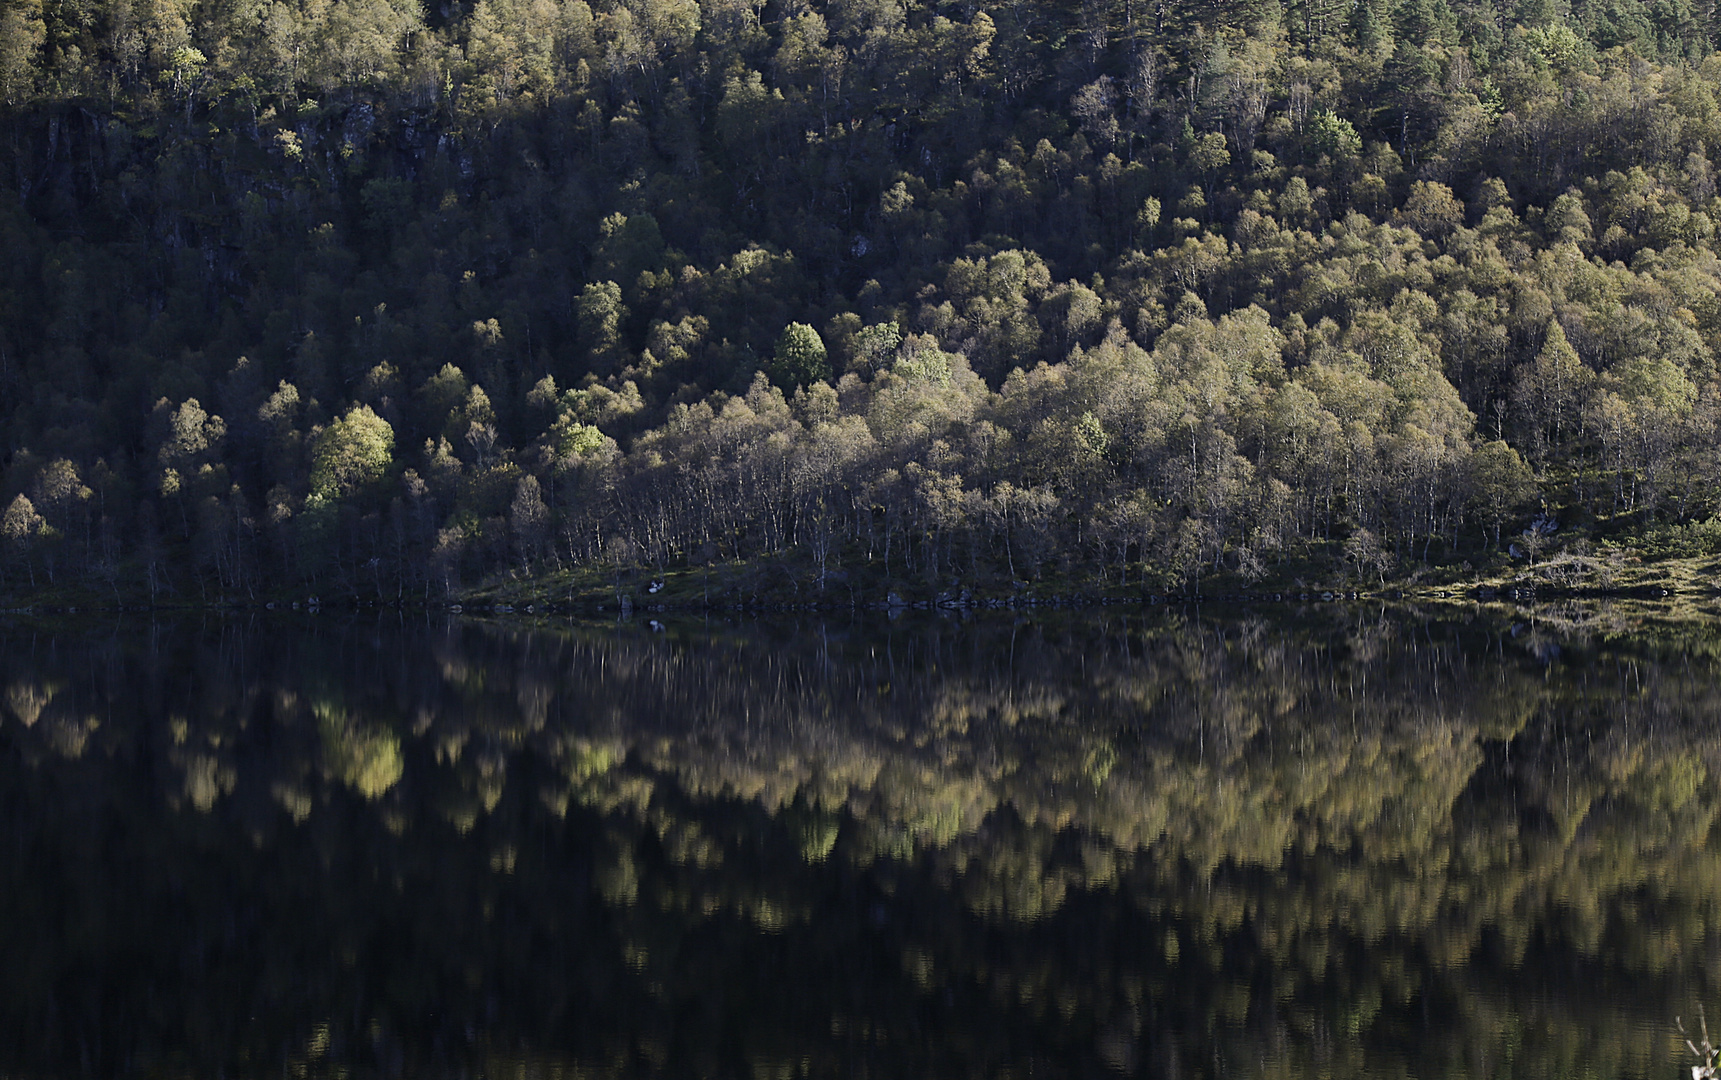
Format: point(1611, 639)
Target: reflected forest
point(1363, 844)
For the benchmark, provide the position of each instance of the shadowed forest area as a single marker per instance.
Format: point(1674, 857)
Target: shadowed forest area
point(1360, 847)
point(364, 298)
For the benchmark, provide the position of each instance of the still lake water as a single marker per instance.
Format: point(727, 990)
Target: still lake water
point(1352, 844)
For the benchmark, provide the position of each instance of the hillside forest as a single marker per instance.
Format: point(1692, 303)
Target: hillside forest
point(364, 297)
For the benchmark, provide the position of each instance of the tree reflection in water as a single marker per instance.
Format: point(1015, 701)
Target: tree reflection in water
point(1374, 846)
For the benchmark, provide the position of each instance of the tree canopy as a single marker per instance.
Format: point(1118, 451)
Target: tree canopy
point(304, 295)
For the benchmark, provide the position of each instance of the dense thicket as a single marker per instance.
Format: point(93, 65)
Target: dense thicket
point(351, 294)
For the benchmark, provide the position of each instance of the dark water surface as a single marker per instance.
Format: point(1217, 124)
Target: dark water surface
point(1354, 845)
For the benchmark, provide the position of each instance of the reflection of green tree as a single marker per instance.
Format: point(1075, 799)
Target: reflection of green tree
point(364, 757)
point(1173, 827)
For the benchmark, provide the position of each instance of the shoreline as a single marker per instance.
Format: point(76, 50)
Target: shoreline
point(636, 596)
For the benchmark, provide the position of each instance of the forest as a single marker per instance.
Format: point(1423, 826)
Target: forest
point(377, 299)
